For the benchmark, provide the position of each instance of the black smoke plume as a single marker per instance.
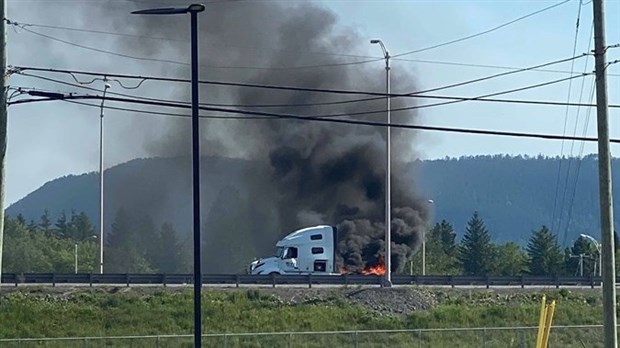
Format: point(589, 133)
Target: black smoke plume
point(305, 172)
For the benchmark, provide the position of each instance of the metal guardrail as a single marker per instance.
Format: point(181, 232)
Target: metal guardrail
point(309, 280)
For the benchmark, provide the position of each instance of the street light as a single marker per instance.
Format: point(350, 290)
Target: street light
point(388, 188)
point(193, 10)
point(430, 202)
point(105, 89)
point(598, 248)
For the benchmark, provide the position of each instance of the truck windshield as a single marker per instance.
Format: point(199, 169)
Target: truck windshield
point(279, 252)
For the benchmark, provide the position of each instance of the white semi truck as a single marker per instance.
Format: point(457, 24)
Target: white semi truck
point(310, 250)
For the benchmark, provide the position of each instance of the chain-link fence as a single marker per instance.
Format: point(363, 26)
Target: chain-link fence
point(589, 336)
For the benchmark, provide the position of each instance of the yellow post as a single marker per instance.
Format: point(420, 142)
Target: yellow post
point(541, 322)
point(550, 312)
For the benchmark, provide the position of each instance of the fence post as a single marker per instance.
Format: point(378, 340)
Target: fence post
point(85, 343)
point(237, 281)
point(309, 281)
point(484, 337)
point(290, 339)
point(225, 340)
point(420, 338)
point(157, 342)
point(357, 343)
point(522, 335)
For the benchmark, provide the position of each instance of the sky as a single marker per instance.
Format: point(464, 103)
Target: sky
point(54, 139)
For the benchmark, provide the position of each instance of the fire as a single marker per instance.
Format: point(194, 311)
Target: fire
point(376, 269)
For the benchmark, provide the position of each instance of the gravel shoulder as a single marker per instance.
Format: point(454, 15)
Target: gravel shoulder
point(393, 302)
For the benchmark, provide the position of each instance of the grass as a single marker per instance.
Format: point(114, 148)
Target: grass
point(94, 312)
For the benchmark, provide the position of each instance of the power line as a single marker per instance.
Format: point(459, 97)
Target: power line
point(408, 108)
point(364, 99)
point(292, 67)
point(305, 89)
point(572, 147)
point(159, 38)
point(170, 61)
point(487, 66)
point(350, 114)
point(218, 117)
point(330, 120)
point(136, 36)
point(557, 183)
point(483, 32)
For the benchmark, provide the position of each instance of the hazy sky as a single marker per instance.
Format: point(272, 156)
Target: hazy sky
point(48, 140)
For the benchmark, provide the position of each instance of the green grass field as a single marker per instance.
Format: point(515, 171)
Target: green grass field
point(37, 312)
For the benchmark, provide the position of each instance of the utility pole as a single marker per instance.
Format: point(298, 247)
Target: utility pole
point(3, 120)
point(580, 256)
point(605, 185)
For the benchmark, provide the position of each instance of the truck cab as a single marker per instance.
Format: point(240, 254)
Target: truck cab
point(310, 250)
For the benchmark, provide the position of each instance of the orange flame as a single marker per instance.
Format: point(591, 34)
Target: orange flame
point(376, 269)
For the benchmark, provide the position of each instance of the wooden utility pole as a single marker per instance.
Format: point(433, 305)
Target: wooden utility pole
point(605, 186)
point(3, 120)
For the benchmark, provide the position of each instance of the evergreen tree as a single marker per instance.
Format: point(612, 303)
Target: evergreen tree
point(125, 252)
point(544, 253)
point(476, 254)
point(228, 238)
point(170, 257)
point(62, 225)
point(441, 251)
point(45, 222)
point(21, 220)
point(511, 260)
point(82, 227)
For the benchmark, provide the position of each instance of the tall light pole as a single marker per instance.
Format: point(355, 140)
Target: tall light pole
point(193, 10)
point(598, 248)
point(430, 203)
point(388, 171)
point(105, 89)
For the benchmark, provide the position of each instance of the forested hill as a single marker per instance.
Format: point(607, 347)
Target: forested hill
point(514, 195)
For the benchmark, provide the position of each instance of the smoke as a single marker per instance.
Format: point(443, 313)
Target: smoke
point(306, 172)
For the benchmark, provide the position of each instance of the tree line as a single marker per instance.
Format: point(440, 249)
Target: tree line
point(477, 255)
point(133, 245)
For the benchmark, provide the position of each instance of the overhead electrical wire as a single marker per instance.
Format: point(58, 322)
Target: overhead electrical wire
point(152, 100)
point(483, 32)
point(305, 89)
point(332, 103)
point(558, 179)
point(580, 158)
point(327, 120)
point(572, 147)
point(49, 37)
point(424, 61)
point(422, 91)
